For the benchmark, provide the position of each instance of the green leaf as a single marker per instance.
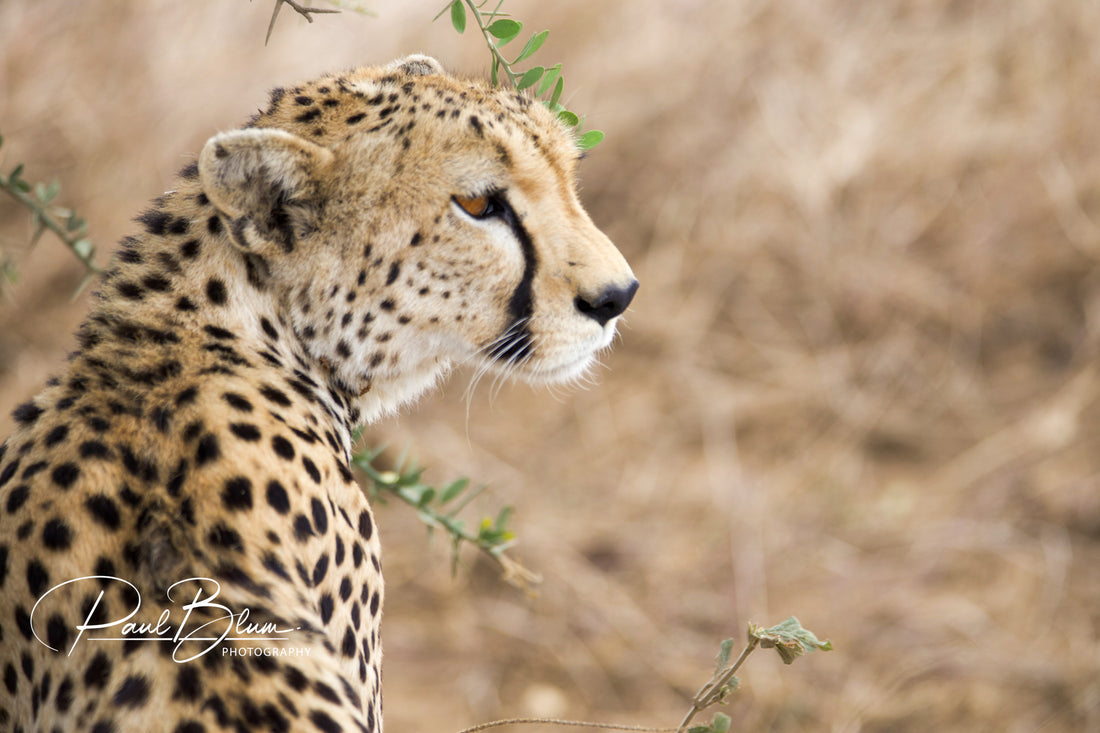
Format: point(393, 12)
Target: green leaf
point(494, 74)
point(529, 77)
point(458, 15)
point(505, 30)
point(724, 653)
point(532, 45)
point(548, 79)
point(16, 172)
point(453, 490)
point(502, 519)
point(721, 723)
point(46, 193)
point(83, 248)
point(557, 92)
point(789, 639)
point(590, 139)
point(568, 118)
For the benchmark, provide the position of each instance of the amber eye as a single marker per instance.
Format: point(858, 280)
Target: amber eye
point(476, 207)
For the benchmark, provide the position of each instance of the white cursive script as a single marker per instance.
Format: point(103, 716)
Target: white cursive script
point(226, 625)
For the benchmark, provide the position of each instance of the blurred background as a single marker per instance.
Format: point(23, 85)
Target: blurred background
point(859, 383)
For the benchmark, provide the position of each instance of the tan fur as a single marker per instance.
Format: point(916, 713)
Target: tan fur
point(310, 273)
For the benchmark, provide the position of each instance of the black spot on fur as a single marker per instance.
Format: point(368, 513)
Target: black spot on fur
point(57, 633)
point(366, 525)
point(64, 699)
point(219, 333)
point(98, 672)
point(320, 569)
point(133, 692)
point(187, 396)
point(94, 449)
point(16, 499)
point(282, 447)
point(237, 402)
point(223, 536)
point(322, 722)
point(56, 435)
point(245, 431)
point(156, 283)
point(215, 291)
point(311, 469)
point(277, 497)
point(394, 273)
point(303, 530)
point(65, 475)
point(129, 290)
point(155, 221)
point(104, 510)
point(207, 450)
point(38, 580)
point(26, 413)
point(237, 494)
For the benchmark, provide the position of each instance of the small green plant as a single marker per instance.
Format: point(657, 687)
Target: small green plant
point(789, 639)
point(439, 508)
point(499, 29)
point(72, 230)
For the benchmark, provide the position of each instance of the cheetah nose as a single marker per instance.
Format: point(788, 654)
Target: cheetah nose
point(608, 303)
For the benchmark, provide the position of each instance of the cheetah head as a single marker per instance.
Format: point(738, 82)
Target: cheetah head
point(406, 221)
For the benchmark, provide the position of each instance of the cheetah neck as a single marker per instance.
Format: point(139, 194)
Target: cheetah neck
point(180, 290)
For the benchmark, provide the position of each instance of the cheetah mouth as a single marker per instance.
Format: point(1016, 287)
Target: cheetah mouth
point(535, 357)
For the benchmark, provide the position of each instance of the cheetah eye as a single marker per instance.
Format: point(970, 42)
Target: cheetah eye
point(481, 207)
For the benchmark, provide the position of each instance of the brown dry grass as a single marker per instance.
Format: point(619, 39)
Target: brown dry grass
point(858, 385)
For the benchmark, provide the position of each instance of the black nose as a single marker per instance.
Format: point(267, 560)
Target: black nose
point(608, 303)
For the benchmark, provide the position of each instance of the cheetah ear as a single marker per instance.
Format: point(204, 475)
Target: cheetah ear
point(416, 64)
point(267, 182)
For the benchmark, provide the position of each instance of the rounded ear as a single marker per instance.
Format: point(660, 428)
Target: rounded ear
point(416, 64)
point(265, 182)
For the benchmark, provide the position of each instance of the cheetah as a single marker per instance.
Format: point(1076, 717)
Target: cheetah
point(183, 546)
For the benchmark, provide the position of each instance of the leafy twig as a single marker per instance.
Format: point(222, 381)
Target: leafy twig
point(498, 30)
point(788, 638)
point(437, 508)
point(64, 223)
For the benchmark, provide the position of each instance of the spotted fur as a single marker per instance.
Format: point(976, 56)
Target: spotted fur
point(310, 272)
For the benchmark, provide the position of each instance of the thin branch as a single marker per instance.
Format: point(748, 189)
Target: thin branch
point(569, 723)
point(46, 220)
point(498, 57)
point(712, 691)
point(491, 540)
point(304, 11)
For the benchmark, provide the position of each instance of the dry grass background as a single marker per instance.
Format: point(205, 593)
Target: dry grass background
point(859, 383)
